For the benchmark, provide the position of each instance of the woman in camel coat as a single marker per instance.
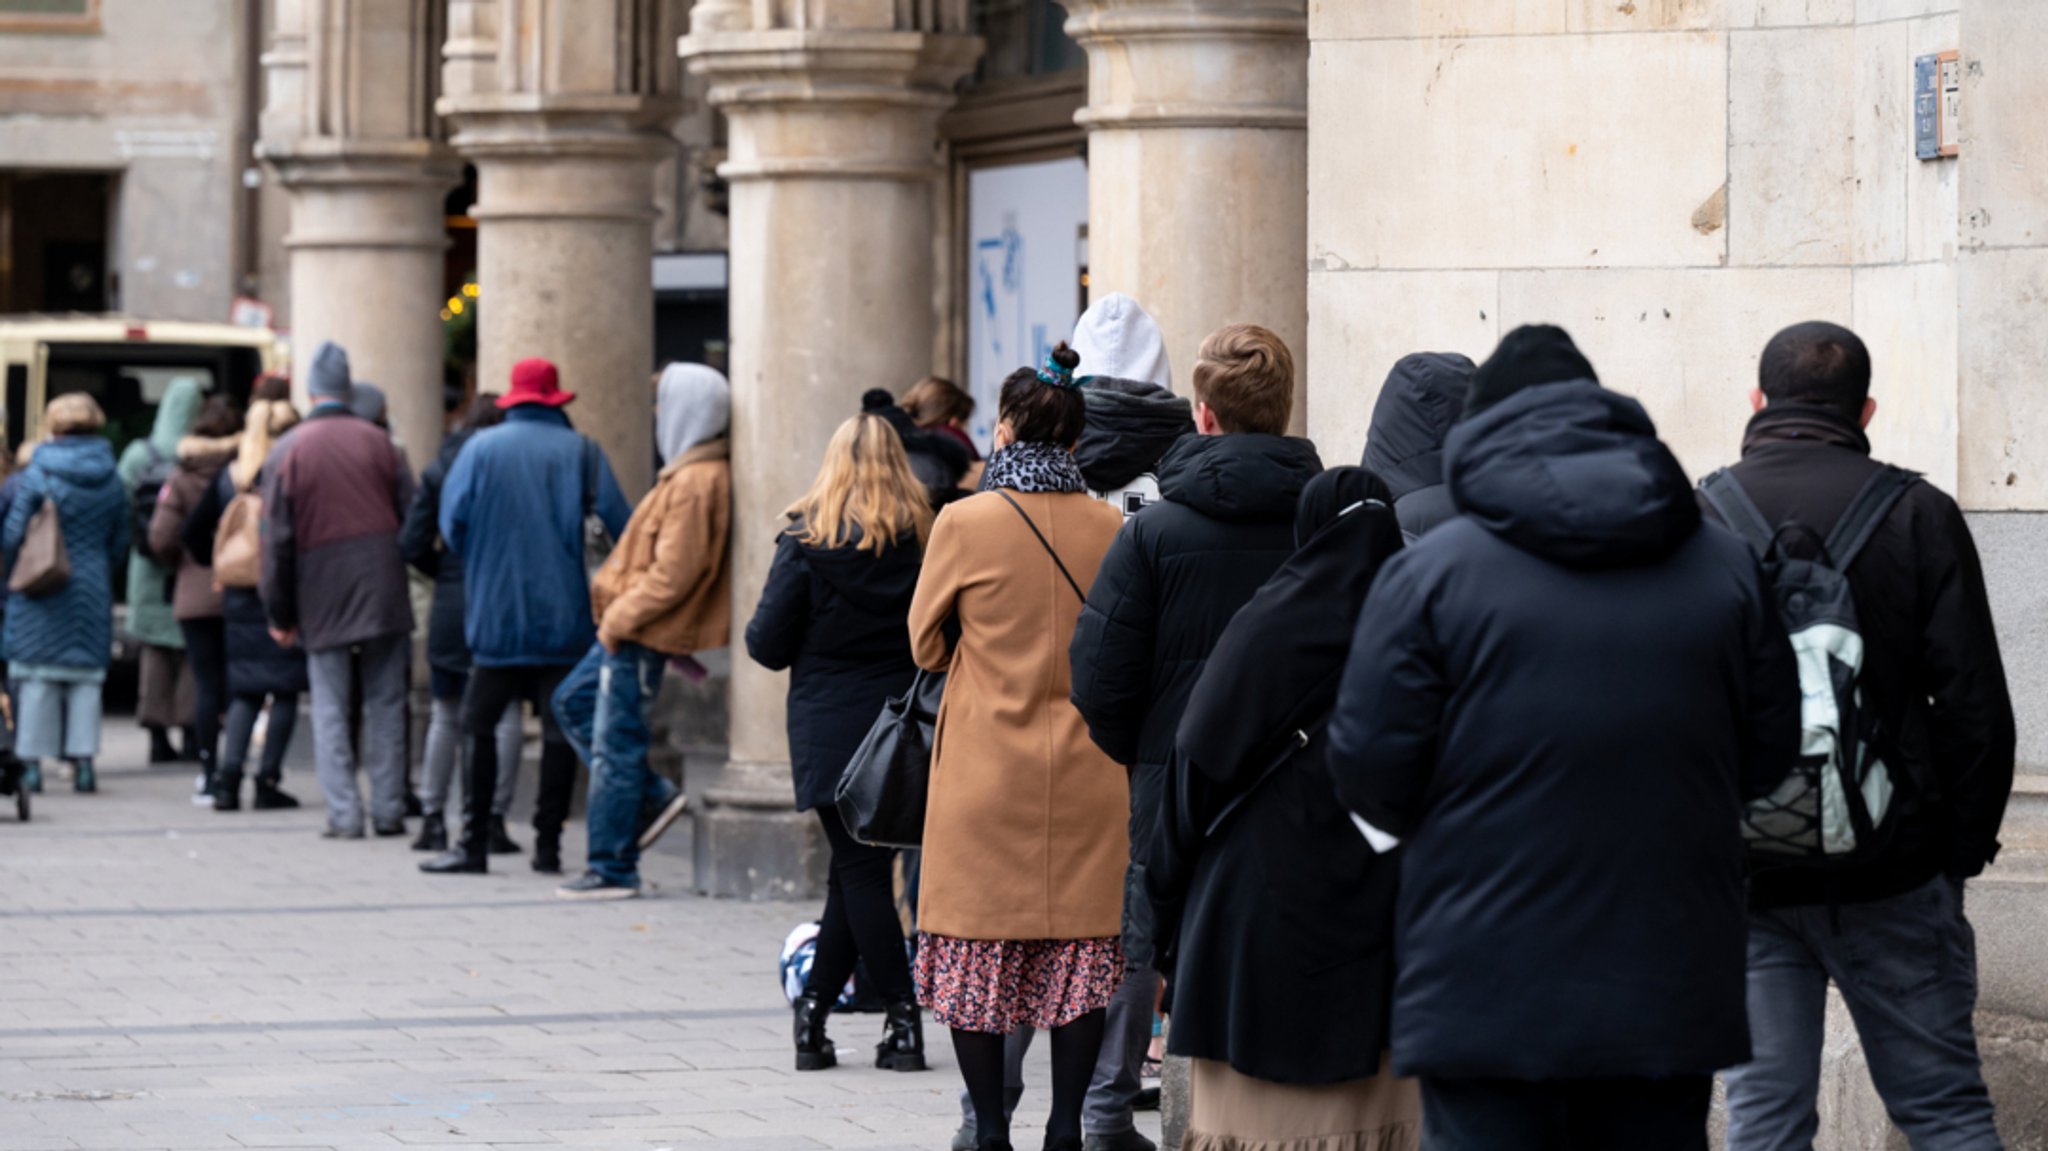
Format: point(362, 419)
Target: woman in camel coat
point(1025, 841)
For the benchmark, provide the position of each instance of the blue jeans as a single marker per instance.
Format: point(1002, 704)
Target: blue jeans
point(1907, 969)
point(602, 708)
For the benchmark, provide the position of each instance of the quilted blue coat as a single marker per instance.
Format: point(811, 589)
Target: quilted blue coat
point(74, 625)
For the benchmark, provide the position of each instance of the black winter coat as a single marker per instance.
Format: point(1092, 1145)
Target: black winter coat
point(1931, 664)
point(1177, 572)
point(257, 665)
point(838, 620)
point(1286, 917)
point(1131, 425)
point(419, 540)
point(1561, 700)
point(1423, 397)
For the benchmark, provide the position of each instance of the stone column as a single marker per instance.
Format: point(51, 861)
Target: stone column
point(563, 109)
point(348, 130)
point(831, 136)
point(1197, 123)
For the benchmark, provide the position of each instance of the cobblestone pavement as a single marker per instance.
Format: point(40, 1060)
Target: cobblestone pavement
point(177, 978)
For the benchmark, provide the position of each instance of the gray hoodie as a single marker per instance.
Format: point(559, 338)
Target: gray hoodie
point(693, 405)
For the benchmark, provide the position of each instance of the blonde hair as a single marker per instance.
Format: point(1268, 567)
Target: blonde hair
point(865, 482)
point(1246, 376)
point(73, 413)
point(268, 419)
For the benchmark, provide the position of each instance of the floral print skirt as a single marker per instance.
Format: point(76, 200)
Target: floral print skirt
point(998, 985)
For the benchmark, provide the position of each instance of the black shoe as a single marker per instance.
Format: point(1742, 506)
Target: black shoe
point(902, 1045)
point(547, 855)
point(413, 810)
point(269, 797)
point(333, 832)
point(1131, 1140)
point(1067, 1144)
point(457, 862)
point(390, 830)
point(1147, 1100)
point(994, 1145)
point(227, 791)
point(160, 749)
point(814, 1052)
point(433, 834)
point(502, 842)
point(592, 886)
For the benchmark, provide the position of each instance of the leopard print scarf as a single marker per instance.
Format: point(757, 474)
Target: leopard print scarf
point(1033, 467)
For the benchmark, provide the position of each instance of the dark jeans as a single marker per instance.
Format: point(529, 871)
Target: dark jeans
point(1907, 970)
point(860, 918)
point(602, 707)
point(491, 691)
point(1566, 1115)
point(206, 653)
point(277, 738)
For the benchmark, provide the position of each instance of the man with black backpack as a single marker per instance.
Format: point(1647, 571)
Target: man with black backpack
point(1919, 741)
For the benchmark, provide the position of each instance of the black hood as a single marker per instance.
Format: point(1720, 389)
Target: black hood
point(1245, 477)
point(874, 583)
point(1421, 402)
point(1575, 474)
point(1131, 424)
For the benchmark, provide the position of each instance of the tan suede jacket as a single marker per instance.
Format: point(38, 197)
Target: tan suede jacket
point(666, 584)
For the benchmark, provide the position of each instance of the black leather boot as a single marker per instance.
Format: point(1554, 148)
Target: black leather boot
point(902, 1045)
point(227, 790)
point(160, 748)
point(502, 842)
point(433, 833)
point(547, 853)
point(465, 858)
point(814, 1052)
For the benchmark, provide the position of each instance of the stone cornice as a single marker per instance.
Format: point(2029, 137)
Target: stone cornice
point(594, 126)
point(1182, 23)
point(353, 161)
point(882, 69)
point(1191, 114)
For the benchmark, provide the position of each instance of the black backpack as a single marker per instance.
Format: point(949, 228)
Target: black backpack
point(1832, 809)
point(149, 485)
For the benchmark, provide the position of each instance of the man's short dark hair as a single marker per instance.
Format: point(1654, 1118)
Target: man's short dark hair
point(1816, 363)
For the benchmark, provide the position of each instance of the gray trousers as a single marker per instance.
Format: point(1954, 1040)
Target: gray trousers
point(445, 749)
point(383, 667)
point(1126, 1036)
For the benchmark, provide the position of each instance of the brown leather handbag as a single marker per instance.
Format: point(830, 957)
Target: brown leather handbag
point(43, 565)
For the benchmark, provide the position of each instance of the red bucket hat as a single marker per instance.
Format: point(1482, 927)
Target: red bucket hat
point(535, 381)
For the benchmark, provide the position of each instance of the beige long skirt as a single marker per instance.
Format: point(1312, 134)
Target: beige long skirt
point(1234, 1112)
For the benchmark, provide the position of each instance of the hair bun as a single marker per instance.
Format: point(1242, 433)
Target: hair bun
point(1059, 367)
point(875, 399)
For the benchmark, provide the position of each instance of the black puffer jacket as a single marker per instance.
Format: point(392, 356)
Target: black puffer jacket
point(1285, 954)
point(838, 619)
point(1561, 699)
point(939, 461)
point(1177, 572)
point(1131, 424)
point(420, 542)
point(1931, 664)
point(1423, 397)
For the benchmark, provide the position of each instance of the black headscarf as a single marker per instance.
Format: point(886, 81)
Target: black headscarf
point(1330, 495)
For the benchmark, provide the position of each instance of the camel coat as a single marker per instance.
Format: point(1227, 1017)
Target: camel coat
point(1025, 833)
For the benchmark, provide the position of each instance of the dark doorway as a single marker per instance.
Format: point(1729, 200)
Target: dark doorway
point(54, 229)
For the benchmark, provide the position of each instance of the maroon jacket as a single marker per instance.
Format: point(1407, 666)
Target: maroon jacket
point(335, 491)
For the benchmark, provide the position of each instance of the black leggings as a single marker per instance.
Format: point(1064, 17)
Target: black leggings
point(206, 652)
point(1075, 1050)
point(860, 919)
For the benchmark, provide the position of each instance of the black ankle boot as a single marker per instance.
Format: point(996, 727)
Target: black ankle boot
point(814, 1052)
point(433, 833)
point(547, 853)
point(902, 1045)
point(160, 749)
point(227, 790)
point(270, 797)
point(465, 858)
point(502, 842)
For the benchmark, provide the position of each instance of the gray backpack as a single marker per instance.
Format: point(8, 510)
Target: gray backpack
point(1833, 809)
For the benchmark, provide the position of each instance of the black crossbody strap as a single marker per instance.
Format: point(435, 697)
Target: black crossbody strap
point(1044, 543)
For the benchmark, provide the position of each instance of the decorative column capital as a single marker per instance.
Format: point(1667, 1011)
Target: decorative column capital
point(1193, 63)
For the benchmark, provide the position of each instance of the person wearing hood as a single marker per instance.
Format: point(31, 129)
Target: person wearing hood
point(1559, 702)
point(164, 691)
point(1133, 414)
point(58, 643)
point(194, 600)
point(1423, 397)
point(836, 615)
point(1178, 572)
point(513, 510)
point(334, 493)
point(260, 672)
point(661, 594)
point(939, 461)
point(1285, 915)
point(448, 659)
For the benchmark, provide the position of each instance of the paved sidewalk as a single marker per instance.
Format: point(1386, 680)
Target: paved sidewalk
point(177, 978)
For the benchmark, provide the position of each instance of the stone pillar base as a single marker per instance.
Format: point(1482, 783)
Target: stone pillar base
point(752, 844)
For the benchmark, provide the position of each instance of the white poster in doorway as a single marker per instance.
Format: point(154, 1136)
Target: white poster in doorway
point(1024, 267)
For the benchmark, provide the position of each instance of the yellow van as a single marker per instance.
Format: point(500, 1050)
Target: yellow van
point(126, 364)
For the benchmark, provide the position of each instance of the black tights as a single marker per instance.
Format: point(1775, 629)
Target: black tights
point(1075, 1048)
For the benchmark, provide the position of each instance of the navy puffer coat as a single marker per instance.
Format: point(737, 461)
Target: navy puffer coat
point(74, 625)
